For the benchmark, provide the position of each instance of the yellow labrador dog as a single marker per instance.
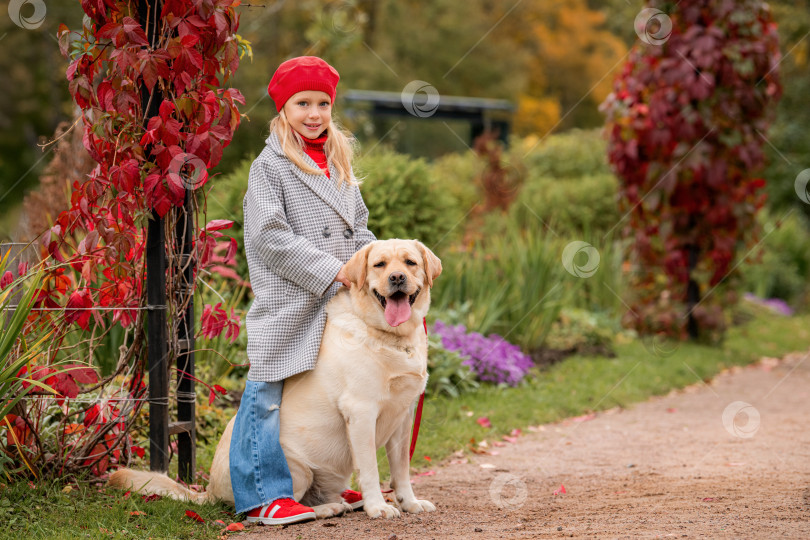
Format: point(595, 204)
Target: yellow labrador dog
point(372, 366)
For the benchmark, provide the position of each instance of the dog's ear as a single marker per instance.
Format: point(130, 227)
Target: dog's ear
point(433, 265)
point(356, 267)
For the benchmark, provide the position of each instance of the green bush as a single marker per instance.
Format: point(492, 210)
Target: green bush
point(572, 154)
point(448, 376)
point(459, 174)
point(405, 200)
point(569, 206)
point(785, 268)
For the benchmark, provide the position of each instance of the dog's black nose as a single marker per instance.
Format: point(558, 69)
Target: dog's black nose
point(396, 279)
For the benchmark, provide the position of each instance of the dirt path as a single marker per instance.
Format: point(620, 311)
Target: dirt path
point(666, 468)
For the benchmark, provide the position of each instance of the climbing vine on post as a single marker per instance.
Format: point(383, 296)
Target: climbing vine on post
point(686, 123)
point(95, 267)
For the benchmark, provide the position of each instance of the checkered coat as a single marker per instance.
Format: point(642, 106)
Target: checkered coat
point(299, 231)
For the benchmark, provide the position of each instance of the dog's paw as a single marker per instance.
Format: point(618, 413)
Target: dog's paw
point(330, 510)
point(417, 505)
point(381, 510)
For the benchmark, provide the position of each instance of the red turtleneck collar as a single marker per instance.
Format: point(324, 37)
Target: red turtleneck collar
point(314, 149)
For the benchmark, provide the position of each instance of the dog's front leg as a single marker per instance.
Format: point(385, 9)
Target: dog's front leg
point(397, 449)
point(361, 426)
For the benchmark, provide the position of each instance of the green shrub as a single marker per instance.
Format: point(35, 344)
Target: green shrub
point(581, 330)
point(569, 206)
point(447, 375)
point(572, 154)
point(785, 268)
point(459, 174)
point(405, 200)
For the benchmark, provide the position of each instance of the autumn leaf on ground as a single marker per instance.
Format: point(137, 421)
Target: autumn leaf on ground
point(194, 515)
point(560, 491)
point(484, 422)
point(235, 527)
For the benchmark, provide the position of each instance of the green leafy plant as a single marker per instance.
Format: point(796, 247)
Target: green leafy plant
point(405, 200)
point(448, 376)
point(16, 351)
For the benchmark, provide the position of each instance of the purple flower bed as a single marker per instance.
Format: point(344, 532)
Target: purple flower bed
point(774, 304)
point(492, 358)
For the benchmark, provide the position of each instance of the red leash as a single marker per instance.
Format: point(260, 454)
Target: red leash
point(418, 418)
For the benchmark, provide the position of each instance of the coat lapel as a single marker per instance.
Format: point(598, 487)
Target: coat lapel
point(325, 188)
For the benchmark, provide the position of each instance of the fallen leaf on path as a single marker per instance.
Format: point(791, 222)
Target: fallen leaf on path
point(672, 409)
point(235, 527)
point(516, 432)
point(708, 499)
point(507, 438)
point(560, 491)
point(484, 422)
point(487, 466)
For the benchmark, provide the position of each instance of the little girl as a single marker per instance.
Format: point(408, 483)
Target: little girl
point(304, 219)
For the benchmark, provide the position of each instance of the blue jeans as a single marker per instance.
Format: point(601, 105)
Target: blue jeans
point(259, 471)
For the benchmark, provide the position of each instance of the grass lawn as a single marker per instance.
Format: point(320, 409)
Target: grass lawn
point(573, 387)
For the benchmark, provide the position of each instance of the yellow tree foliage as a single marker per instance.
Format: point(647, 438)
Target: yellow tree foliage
point(572, 62)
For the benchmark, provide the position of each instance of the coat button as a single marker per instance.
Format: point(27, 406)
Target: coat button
point(326, 232)
point(348, 233)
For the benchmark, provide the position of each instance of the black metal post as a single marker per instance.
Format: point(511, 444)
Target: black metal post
point(157, 346)
point(186, 405)
point(157, 342)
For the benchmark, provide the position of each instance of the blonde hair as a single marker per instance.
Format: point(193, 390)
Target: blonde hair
point(339, 148)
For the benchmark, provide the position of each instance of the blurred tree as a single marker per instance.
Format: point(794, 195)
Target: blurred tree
point(789, 139)
point(686, 123)
point(35, 96)
point(571, 59)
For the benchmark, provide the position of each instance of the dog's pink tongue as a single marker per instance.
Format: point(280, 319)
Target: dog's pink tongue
point(397, 311)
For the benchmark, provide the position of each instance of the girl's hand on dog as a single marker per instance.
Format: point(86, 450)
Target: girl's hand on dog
point(341, 277)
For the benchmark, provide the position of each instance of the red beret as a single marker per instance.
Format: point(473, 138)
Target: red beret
point(300, 74)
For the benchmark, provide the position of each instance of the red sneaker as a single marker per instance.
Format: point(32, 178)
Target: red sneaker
point(281, 512)
point(354, 498)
